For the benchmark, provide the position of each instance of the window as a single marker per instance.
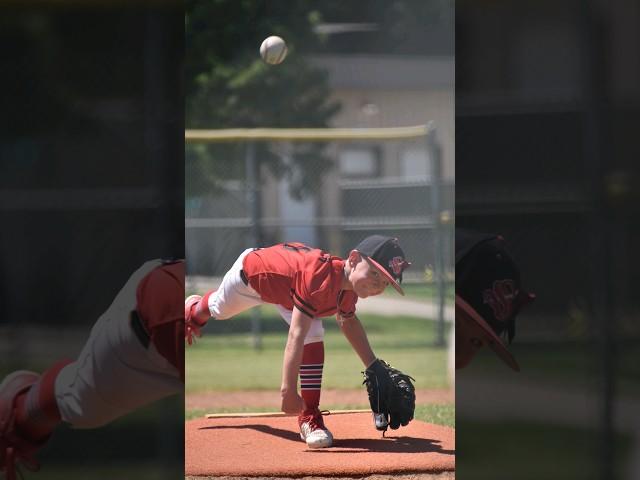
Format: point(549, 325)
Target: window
point(359, 162)
point(415, 163)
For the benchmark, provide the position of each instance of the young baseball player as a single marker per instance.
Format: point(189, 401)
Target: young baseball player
point(134, 356)
point(305, 284)
point(489, 296)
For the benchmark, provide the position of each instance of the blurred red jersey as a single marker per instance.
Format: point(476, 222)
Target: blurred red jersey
point(160, 304)
point(291, 274)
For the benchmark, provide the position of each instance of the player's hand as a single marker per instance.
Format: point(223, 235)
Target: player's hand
point(192, 324)
point(291, 402)
point(191, 331)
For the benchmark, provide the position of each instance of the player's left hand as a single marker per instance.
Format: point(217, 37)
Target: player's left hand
point(191, 324)
point(191, 332)
point(292, 402)
point(391, 395)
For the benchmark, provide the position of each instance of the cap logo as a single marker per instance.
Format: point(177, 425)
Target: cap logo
point(501, 298)
point(397, 264)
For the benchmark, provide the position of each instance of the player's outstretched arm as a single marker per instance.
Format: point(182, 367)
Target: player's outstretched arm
point(353, 330)
point(300, 324)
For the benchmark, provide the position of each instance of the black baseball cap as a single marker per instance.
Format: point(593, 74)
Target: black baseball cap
point(386, 256)
point(488, 289)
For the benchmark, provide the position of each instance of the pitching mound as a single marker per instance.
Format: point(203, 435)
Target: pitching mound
point(272, 447)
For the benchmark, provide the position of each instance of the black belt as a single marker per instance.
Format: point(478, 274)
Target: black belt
point(139, 330)
point(243, 276)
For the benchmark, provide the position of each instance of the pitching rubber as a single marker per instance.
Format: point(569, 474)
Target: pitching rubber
point(274, 414)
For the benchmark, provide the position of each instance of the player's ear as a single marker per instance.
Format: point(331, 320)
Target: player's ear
point(354, 257)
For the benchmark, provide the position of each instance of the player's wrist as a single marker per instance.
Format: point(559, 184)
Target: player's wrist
point(289, 385)
point(198, 317)
point(288, 390)
point(195, 314)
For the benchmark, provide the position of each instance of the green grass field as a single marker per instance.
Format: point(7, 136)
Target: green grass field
point(574, 364)
point(440, 414)
point(224, 359)
point(533, 451)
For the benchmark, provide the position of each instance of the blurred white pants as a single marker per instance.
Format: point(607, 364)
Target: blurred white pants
point(114, 373)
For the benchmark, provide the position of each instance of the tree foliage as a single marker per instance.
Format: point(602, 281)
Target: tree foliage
point(227, 85)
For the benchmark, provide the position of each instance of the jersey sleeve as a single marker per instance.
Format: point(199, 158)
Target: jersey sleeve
point(347, 304)
point(304, 293)
point(312, 287)
point(160, 305)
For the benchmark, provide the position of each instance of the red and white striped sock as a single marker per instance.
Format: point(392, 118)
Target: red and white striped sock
point(311, 374)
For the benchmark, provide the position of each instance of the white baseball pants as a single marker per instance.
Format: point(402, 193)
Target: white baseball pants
point(114, 373)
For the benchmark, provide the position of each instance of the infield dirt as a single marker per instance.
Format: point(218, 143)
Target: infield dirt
point(413, 476)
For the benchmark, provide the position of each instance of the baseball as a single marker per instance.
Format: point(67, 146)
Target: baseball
point(273, 50)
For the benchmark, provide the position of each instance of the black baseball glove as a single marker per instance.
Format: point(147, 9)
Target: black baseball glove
point(392, 396)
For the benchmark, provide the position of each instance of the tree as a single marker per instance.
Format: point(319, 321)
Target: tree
point(227, 85)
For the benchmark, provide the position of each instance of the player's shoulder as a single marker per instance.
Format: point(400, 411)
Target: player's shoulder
point(295, 252)
point(323, 272)
point(303, 258)
point(297, 247)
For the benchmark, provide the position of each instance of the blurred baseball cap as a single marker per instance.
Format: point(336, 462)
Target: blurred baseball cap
point(488, 289)
point(385, 254)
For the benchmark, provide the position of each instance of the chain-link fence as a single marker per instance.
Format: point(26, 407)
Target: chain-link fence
point(326, 193)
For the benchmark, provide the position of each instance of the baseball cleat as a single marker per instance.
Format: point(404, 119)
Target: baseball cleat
point(313, 431)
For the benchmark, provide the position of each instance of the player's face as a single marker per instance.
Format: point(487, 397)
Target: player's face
point(367, 281)
point(469, 339)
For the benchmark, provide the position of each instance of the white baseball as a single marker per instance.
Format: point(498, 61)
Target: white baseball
point(273, 50)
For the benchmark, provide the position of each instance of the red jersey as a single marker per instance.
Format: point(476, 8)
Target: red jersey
point(160, 304)
point(291, 274)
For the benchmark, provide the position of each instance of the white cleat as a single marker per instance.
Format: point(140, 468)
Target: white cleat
point(313, 431)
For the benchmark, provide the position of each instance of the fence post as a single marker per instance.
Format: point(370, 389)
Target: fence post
point(253, 203)
point(435, 160)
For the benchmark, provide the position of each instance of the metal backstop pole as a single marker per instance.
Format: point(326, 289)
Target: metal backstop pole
point(253, 204)
point(436, 210)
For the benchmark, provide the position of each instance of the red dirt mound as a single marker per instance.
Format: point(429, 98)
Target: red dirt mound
point(272, 447)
